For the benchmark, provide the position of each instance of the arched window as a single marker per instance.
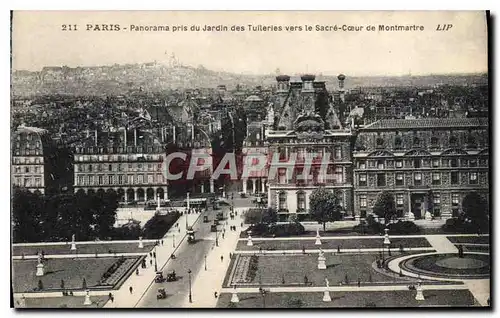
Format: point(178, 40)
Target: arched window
point(301, 201)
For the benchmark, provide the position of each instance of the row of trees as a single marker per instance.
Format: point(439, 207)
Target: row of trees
point(38, 218)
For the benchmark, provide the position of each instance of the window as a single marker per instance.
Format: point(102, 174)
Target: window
point(454, 199)
point(453, 141)
point(454, 177)
point(151, 178)
point(434, 141)
point(436, 178)
point(37, 169)
point(381, 179)
point(282, 201)
point(150, 167)
point(120, 168)
point(100, 180)
point(120, 179)
point(338, 152)
point(80, 180)
point(435, 163)
point(362, 165)
point(130, 179)
point(400, 179)
point(27, 182)
point(140, 178)
point(91, 179)
point(399, 164)
point(26, 169)
point(399, 199)
point(417, 163)
point(472, 177)
point(397, 142)
point(465, 163)
point(301, 201)
point(139, 166)
point(362, 179)
point(282, 176)
point(417, 178)
point(453, 163)
point(159, 178)
point(362, 201)
point(18, 169)
point(339, 174)
point(437, 198)
point(380, 164)
point(90, 168)
point(110, 179)
point(473, 163)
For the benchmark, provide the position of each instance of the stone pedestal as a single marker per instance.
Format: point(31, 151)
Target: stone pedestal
point(318, 238)
point(326, 296)
point(249, 240)
point(39, 270)
point(387, 241)
point(73, 246)
point(428, 216)
point(420, 293)
point(87, 301)
point(321, 261)
point(234, 297)
point(141, 245)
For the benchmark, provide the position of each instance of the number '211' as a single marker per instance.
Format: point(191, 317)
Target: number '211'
point(68, 27)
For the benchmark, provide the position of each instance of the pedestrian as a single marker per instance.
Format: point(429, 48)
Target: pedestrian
point(241, 225)
point(130, 289)
point(222, 234)
point(215, 294)
point(161, 242)
point(359, 283)
point(179, 230)
point(303, 249)
point(150, 262)
point(221, 258)
point(137, 271)
point(110, 296)
point(154, 254)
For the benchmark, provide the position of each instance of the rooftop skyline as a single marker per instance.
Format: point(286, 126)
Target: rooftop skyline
point(38, 41)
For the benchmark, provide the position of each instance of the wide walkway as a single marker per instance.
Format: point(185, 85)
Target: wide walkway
point(123, 298)
point(208, 282)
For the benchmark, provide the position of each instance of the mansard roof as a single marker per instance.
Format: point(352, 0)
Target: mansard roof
point(428, 123)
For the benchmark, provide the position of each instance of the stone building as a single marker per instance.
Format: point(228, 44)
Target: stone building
point(128, 162)
point(428, 164)
point(306, 126)
point(33, 160)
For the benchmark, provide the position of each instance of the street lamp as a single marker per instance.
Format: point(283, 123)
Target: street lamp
point(205, 262)
point(173, 240)
point(190, 295)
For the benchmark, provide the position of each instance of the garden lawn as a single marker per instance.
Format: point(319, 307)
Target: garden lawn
point(433, 298)
point(72, 271)
point(272, 269)
point(82, 249)
point(332, 244)
point(469, 239)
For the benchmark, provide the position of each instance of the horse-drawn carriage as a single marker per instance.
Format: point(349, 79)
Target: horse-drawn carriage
point(161, 293)
point(190, 235)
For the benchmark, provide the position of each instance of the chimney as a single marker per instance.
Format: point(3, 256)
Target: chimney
point(307, 82)
point(283, 83)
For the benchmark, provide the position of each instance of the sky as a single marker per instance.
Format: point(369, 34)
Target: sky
point(38, 41)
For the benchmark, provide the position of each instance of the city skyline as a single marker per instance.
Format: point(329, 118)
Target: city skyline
point(462, 50)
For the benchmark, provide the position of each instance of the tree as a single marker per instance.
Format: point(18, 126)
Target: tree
point(270, 215)
point(27, 212)
point(324, 206)
point(475, 208)
point(385, 207)
point(295, 303)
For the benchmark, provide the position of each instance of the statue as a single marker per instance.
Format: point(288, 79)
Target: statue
point(39, 258)
point(460, 251)
point(327, 282)
point(326, 293)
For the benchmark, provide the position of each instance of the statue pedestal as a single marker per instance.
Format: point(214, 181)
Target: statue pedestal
point(420, 294)
point(249, 241)
point(410, 216)
point(87, 301)
point(326, 296)
point(141, 245)
point(73, 246)
point(428, 216)
point(39, 270)
point(318, 241)
point(321, 262)
point(234, 298)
